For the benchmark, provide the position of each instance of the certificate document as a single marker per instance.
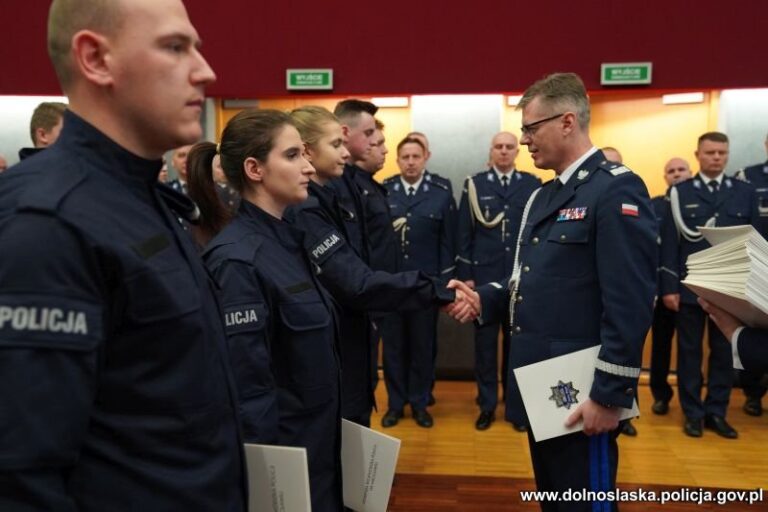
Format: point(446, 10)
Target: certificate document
point(553, 388)
point(368, 462)
point(278, 480)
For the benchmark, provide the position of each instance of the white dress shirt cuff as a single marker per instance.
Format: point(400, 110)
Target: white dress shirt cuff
point(735, 348)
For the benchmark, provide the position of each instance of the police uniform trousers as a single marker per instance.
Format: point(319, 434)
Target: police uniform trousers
point(409, 339)
point(486, 361)
point(690, 331)
point(592, 467)
point(662, 332)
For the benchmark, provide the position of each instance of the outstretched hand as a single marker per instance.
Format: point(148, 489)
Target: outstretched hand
point(726, 322)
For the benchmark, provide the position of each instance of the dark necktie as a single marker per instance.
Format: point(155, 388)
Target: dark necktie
point(504, 182)
point(554, 190)
point(411, 191)
point(713, 186)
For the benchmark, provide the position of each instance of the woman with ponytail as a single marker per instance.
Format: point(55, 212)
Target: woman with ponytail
point(279, 320)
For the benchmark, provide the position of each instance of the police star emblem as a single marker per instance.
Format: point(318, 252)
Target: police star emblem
point(582, 174)
point(564, 394)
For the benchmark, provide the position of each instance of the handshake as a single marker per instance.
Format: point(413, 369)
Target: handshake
point(466, 307)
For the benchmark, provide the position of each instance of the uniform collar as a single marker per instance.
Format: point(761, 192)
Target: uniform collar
point(269, 225)
point(415, 186)
point(568, 172)
point(706, 179)
point(509, 175)
point(106, 155)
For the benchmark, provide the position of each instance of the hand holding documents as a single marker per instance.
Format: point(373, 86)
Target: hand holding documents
point(733, 273)
point(552, 389)
point(277, 478)
point(368, 461)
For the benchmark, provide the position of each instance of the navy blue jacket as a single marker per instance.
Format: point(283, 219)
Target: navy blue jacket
point(282, 343)
point(588, 258)
point(735, 205)
point(357, 289)
point(427, 238)
point(351, 203)
point(381, 240)
point(757, 175)
point(117, 389)
point(487, 254)
point(753, 349)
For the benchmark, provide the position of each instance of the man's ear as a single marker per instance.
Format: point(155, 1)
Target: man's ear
point(569, 122)
point(254, 171)
point(91, 55)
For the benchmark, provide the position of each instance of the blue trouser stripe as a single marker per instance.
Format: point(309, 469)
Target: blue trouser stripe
point(605, 469)
point(594, 466)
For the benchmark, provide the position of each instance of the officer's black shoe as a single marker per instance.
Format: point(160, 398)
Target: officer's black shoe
point(628, 429)
point(692, 428)
point(519, 427)
point(720, 426)
point(423, 418)
point(753, 407)
point(391, 418)
point(484, 420)
point(660, 407)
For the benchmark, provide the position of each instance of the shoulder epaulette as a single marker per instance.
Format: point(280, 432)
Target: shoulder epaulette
point(234, 247)
point(51, 191)
point(391, 179)
point(439, 184)
point(614, 168)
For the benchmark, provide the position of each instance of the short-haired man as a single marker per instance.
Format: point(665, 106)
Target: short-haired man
point(490, 212)
point(44, 127)
point(117, 389)
point(663, 327)
point(585, 277)
point(710, 198)
point(428, 175)
point(424, 220)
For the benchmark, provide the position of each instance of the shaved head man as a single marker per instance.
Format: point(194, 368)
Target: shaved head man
point(676, 170)
point(112, 344)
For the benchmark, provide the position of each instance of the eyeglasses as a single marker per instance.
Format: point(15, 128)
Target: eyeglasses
point(531, 128)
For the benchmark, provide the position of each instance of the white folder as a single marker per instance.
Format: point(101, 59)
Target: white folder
point(278, 479)
point(550, 387)
point(368, 462)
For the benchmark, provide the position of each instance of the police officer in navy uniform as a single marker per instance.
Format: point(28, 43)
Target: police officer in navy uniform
point(751, 382)
point(424, 213)
point(585, 276)
point(663, 327)
point(114, 368)
point(712, 199)
point(358, 289)
point(490, 210)
point(280, 321)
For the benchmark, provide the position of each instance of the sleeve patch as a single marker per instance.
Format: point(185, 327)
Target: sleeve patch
point(245, 317)
point(325, 247)
point(48, 321)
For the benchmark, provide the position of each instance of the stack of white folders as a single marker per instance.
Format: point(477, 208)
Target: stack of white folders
point(733, 273)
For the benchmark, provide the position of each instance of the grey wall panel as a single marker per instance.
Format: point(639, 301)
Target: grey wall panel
point(459, 129)
point(743, 117)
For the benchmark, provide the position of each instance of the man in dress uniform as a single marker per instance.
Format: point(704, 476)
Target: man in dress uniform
point(663, 327)
point(585, 276)
point(710, 198)
point(117, 392)
point(428, 175)
point(752, 382)
point(424, 213)
point(490, 211)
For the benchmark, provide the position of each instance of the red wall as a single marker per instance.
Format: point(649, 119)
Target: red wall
point(426, 46)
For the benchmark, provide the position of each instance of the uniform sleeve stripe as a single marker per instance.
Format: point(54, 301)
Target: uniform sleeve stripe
point(448, 270)
point(497, 285)
point(615, 369)
point(665, 269)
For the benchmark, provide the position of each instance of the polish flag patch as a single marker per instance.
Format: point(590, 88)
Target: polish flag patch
point(629, 209)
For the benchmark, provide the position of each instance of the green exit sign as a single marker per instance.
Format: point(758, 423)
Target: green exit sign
point(625, 73)
point(309, 79)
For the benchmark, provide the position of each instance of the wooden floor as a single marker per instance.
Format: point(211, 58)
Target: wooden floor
point(660, 455)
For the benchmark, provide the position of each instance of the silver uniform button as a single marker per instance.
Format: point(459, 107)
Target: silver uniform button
point(562, 237)
point(526, 269)
point(519, 299)
point(535, 240)
point(517, 329)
